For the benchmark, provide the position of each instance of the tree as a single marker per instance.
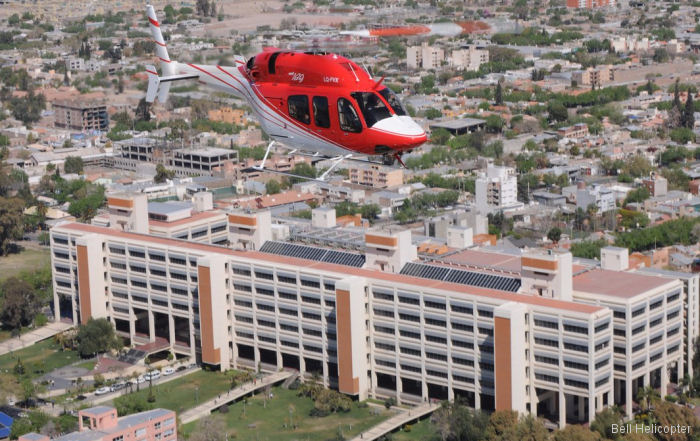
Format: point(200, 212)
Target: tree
point(163, 174)
point(530, 428)
point(554, 234)
point(557, 111)
point(604, 421)
point(272, 187)
point(687, 116)
point(28, 109)
point(211, 428)
point(440, 136)
point(73, 164)
point(494, 124)
point(302, 169)
point(131, 403)
point(11, 224)
point(502, 426)
point(574, 432)
point(370, 211)
point(668, 414)
point(498, 94)
point(96, 336)
point(433, 113)
point(19, 302)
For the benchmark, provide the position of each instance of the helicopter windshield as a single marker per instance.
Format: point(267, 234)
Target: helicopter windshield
point(372, 107)
point(393, 101)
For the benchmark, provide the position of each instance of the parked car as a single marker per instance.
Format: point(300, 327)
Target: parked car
point(103, 390)
point(153, 375)
point(141, 379)
point(168, 371)
point(81, 397)
point(119, 386)
point(181, 368)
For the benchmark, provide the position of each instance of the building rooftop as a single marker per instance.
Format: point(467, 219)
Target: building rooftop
point(310, 265)
point(461, 123)
point(616, 283)
point(165, 208)
point(206, 151)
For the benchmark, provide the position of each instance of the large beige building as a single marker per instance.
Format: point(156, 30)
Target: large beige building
point(470, 58)
point(376, 176)
point(424, 56)
point(537, 332)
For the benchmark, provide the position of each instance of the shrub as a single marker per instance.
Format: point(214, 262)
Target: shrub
point(389, 402)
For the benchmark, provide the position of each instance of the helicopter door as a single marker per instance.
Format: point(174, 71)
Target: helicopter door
point(350, 133)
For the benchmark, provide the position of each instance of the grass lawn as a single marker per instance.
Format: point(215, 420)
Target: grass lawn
point(45, 355)
point(89, 365)
point(423, 430)
point(268, 424)
point(7, 333)
point(27, 260)
point(179, 394)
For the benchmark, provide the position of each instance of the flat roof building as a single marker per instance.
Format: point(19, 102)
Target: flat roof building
point(101, 423)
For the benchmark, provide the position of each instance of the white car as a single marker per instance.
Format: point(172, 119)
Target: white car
point(141, 379)
point(103, 390)
point(153, 375)
point(168, 371)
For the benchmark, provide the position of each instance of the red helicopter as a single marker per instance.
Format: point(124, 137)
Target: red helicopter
point(317, 103)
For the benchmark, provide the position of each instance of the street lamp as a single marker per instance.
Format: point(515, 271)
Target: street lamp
point(196, 394)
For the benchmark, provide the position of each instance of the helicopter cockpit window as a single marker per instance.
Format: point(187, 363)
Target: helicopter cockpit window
point(372, 107)
point(347, 116)
point(393, 101)
point(321, 116)
point(299, 108)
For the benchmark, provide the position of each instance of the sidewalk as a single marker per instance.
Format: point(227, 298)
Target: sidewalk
point(205, 409)
point(397, 421)
point(33, 336)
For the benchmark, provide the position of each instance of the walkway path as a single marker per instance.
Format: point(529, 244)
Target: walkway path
point(397, 421)
point(205, 409)
point(33, 336)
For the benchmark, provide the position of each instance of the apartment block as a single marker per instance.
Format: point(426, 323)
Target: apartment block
point(594, 76)
point(81, 115)
point(376, 176)
point(424, 56)
point(601, 197)
point(497, 190)
point(470, 58)
point(101, 423)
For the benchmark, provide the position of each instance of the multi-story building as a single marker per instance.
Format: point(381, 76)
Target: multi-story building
point(576, 131)
point(470, 58)
point(376, 176)
point(196, 221)
point(101, 423)
point(131, 153)
point(589, 4)
point(656, 184)
point(497, 190)
point(81, 115)
point(572, 337)
point(600, 196)
point(594, 76)
point(424, 56)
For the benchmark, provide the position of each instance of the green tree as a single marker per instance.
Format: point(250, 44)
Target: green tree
point(440, 136)
point(668, 414)
point(131, 403)
point(19, 303)
point(498, 95)
point(574, 432)
point(554, 234)
point(28, 109)
point(604, 421)
point(11, 223)
point(557, 111)
point(502, 426)
point(370, 211)
point(433, 113)
point(272, 187)
point(640, 194)
point(303, 169)
point(688, 117)
point(163, 174)
point(73, 164)
point(494, 124)
point(96, 336)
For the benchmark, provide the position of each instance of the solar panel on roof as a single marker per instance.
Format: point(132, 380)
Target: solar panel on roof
point(313, 253)
point(462, 277)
